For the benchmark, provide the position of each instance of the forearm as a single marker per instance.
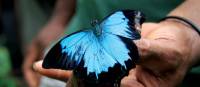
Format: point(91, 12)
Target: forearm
point(189, 9)
point(63, 11)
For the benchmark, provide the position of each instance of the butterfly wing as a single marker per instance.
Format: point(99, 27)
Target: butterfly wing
point(68, 52)
point(118, 31)
point(116, 54)
point(123, 23)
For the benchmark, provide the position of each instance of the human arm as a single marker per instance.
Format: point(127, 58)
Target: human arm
point(63, 11)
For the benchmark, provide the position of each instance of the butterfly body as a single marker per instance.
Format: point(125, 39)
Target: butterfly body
point(102, 54)
point(97, 29)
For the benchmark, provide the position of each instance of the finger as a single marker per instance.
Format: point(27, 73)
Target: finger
point(158, 55)
point(59, 74)
point(132, 74)
point(128, 81)
point(131, 80)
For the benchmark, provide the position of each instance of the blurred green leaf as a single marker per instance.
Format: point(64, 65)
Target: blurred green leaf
point(5, 65)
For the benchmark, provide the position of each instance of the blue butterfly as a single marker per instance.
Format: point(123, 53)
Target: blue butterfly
point(104, 53)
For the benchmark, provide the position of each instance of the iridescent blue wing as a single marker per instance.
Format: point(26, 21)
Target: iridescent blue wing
point(114, 61)
point(123, 23)
point(68, 52)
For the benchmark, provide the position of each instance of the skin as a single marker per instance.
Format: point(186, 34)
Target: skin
point(64, 10)
point(167, 49)
point(166, 55)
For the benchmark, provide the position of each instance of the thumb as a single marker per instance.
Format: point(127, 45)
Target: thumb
point(157, 55)
point(59, 74)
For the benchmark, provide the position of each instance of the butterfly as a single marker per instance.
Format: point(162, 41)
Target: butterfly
point(104, 53)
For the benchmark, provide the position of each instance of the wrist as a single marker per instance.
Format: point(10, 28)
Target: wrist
point(175, 23)
point(184, 21)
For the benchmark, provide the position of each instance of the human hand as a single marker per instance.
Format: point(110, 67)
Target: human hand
point(36, 48)
point(33, 53)
point(167, 51)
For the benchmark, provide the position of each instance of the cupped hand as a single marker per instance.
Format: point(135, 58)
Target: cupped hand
point(167, 51)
